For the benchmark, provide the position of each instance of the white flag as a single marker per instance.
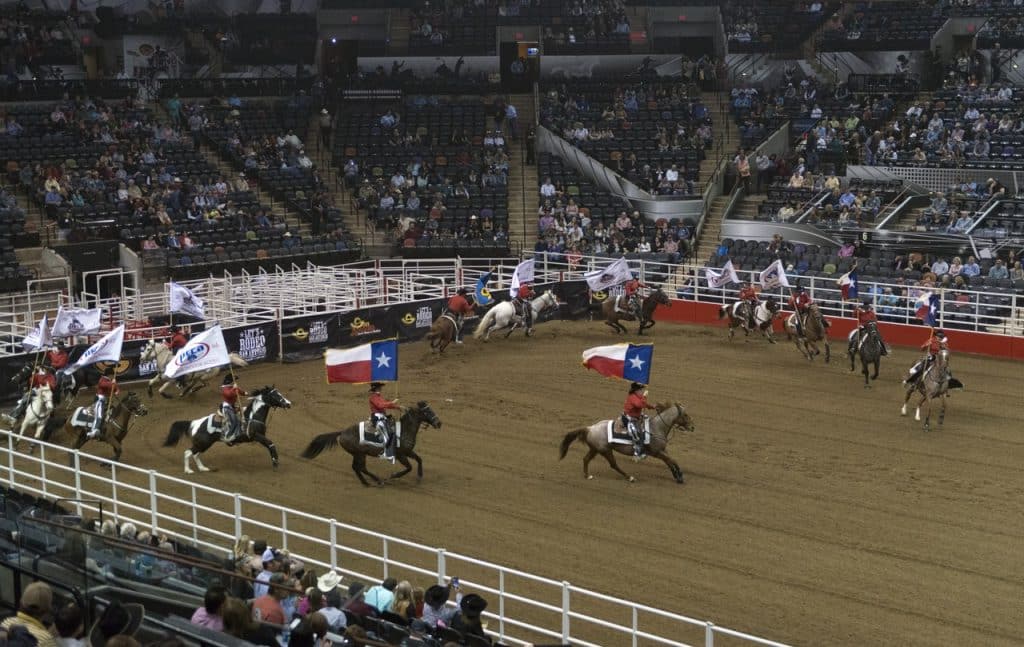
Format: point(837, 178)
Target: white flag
point(523, 274)
point(185, 300)
point(720, 278)
point(107, 349)
point(616, 273)
point(774, 275)
point(204, 351)
point(39, 338)
point(76, 321)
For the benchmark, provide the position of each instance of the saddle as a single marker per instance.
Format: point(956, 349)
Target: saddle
point(618, 433)
point(83, 417)
point(370, 437)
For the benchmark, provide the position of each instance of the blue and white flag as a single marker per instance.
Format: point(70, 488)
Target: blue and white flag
point(483, 293)
point(76, 321)
point(39, 337)
point(616, 273)
point(107, 349)
point(184, 300)
point(774, 276)
point(204, 351)
point(717, 279)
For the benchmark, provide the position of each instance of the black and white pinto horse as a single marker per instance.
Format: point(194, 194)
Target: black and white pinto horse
point(208, 430)
point(740, 316)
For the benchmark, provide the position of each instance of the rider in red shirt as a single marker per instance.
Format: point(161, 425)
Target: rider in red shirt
point(460, 306)
point(58, 357)
point(43, 377)
point(105, 388)
point(633, 412)
point(379, 407)
point(936, 343)
point(229, 393)
point(631, 292)
point(865, 314)
point(800, 301)
point(749, 294)
point(522, 301)
point(177, 339)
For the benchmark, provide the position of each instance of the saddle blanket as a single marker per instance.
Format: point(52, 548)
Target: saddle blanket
point(82, 417)
point(619, 435)
point(368, 434)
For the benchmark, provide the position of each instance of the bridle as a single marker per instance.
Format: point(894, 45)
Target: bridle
point(679, 413)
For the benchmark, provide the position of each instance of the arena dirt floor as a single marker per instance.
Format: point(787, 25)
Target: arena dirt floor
point(812, 513)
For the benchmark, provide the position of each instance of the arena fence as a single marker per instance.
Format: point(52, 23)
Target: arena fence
point(525, 608)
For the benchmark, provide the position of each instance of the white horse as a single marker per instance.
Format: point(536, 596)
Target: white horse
point(158, 351)
point(38, 412)
point(504, 316)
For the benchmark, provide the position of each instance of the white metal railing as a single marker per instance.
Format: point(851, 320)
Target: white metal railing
point(529, 608)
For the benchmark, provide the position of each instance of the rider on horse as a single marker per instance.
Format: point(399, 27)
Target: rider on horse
point(459, 306)
point(105, 388)
point(175, 342)
point(800, 301)
point(936, 343)
point(39, 378)
point(229, 393)
point(865, 314)
point(633, 413)
point(522, 303)
point(749, 294)
point(379, 407)
point(58, 357)
point(631, 292)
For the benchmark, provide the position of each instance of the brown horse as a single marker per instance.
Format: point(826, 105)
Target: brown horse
point(667, 418)
point(814, 329)
point(612, 316)
point(122, 412)
point(442, 332)
point(348, 439)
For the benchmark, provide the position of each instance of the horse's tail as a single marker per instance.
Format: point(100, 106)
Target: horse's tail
point(485, 323)
point(723, 312)
point(320, 443)
point(571, 437)
point(178, 429)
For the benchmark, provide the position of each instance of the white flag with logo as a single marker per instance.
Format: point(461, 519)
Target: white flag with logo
point(39, 338)
point(107, 349)
point(204, 351)
point(616, 273)
point(774, 276)
point(523, 274)
point(185, 300)
point(720, 278)
point(76, 321)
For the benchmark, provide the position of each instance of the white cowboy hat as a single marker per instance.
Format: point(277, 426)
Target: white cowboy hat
point(328, 581)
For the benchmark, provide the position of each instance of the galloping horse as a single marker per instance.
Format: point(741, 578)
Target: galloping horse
point(208, 430)
point(668, 417)
point(37, 414)
point(740, 316)
point(870, 352)
point(122, 412)
point(503, 315)
point(67, 383)
point(814, 330)
point(651, 301)
point(442, 332)
point(934, 384)
point(159, 352)
point(348, 439)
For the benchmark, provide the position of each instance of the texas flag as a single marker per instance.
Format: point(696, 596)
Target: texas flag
point(848, 285)
point(627, 361)
point(374, 362)
point(928, 308)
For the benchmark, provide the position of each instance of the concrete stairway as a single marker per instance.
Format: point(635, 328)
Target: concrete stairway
point(725, 131)
point(398, 34)
point(907, 221)
point(339, 195)
point(522, 179)
point(748, 206)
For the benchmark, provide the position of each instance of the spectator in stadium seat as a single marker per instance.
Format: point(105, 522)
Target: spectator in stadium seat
point(238, 622)
point(272, 561)
point(467, 621)
point(355, 602)
point(69, 623)
point(940, 267)
point(34, 609)
point(971, 268)
point(435, 609)
point(382, 595)
point(268, 607)
point(998, 270)
point(209, 615)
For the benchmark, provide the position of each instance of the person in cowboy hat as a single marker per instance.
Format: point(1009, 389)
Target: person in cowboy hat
point(105, 388)
point(379, 407)
point(865, 314)
point(631, 294)
point(436, 611)
point(116, 620)
point(175, 342)
point(936, 343)
point(800, 301)
point(633, 412)
point(522, 303)
point(460, 305)
point(467, 620)
point(229, 392)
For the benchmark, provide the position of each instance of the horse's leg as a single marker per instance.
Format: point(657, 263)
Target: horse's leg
point(188, 455)
point(405, 464)
point(878, 366)
point(677, 472)
point(609, 455)
point(732, 331)
point(419, 464)
point(80, 440)
point(115, 442)
point(365, 470)
point(906, 399)
point(586, 463)
point(149, 385)
point(828, 348)
point(357, 470)
point(271, 448)
point(613, 325)
point(200, 465)
point(942, 409)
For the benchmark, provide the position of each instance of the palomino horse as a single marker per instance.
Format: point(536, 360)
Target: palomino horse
point(668, 417)
point(814, 330)
point(740, 317)
point(122, 411)
point(442, 332)
point(159, 352)
point(348, 439)
point(933, 385)
point(504, 315)
point(870, 352)
point(612, 316)
point(208, 430)
point(38, 412)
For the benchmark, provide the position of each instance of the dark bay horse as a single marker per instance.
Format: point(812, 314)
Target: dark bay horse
point(208, 430)
point(667, 418)
point(650, 302)
point(870, 352)
point(348, 439)
point(122, 412)
point(442, 332)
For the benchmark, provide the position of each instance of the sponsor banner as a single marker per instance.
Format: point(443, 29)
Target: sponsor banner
point(255, 343)
point(412, 321)
point(306, 337)
point(370, 324)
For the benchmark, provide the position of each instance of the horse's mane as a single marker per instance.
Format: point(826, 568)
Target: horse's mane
point(662, 406)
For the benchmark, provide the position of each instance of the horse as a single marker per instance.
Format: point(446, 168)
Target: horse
point(208, 430)
point(668, 417)
point(442, 332)
point(192, 382)
point(870, 352)
point(612, 315)
point(122, 412)
point(503, 315)
point(814, 330)
point(37, 414)
point(348, 439)
point(739, 316)
point(934, 384)
point(68, 384)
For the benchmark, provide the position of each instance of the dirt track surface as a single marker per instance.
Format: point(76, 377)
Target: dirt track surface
point(812, 512)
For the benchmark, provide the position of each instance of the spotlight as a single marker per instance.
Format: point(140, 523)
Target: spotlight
point(334, 40)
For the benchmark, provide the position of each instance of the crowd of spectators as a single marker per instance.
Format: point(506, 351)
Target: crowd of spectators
point(900, 24)
point(753, 26)
point(31, 39)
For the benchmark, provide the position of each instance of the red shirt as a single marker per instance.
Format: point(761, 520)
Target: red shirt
point(748, 293)
point(632, 286)
point(866, 315)
point(459, 305)
point(268, 609)
point(177, 341)
point(380, 404)
point(800, 301)
point(525, 291)
point(58, 359)
point(636, 402)
point(229, 393)
point(40, 379)
point(107, 387)
point(934, 345)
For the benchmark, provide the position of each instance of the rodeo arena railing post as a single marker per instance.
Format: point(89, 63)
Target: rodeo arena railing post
point(293, 315)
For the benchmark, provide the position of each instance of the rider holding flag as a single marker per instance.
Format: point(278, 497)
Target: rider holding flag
point(800, 301)
point(460, 305)
point(229, 393)
point(522, 300)
point(936, 343)
point(631, 290)
point(749, 294)
point(105, 388)
point(865, 314)
point(379, 407)
point(633, 413)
